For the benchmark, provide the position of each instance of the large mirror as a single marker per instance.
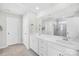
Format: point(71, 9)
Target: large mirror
point(48, 26)
point(55, 27)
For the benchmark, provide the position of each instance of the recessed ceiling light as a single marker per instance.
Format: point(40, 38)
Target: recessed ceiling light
point(37, 8)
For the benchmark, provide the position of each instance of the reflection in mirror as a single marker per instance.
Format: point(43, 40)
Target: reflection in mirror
point(60, 28)
point(52, 26)
point(47, 26)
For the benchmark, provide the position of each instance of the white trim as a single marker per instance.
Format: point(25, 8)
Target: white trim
point(27, 46)
point(1, 47)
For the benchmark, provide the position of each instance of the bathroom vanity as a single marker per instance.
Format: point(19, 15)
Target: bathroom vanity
point(59, 42)
point(45, 45)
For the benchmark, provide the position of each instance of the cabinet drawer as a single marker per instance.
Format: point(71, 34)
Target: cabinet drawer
point(69, 52)
point(54, 52)
point(56, 47)
point(64, 50)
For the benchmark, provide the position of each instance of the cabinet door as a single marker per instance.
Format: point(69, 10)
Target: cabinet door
point(34, 43)
point(52, 52)
point(31, 42)
point(43, 46)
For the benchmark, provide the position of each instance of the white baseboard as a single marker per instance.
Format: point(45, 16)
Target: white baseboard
point(27, 46)
point(1, 47)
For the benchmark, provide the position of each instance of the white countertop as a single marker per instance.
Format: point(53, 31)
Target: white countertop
point(59, 40)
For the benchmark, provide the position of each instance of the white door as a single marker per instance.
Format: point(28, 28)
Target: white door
point(26, 31)
point(12, 30)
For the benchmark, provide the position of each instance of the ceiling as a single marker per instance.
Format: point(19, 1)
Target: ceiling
point(61, 10)
point(22, 8)
point(37, 8)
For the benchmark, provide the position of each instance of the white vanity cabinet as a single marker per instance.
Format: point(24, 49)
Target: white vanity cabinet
point(43, 47)
point(58, 50)
point(54, 50)
point(34, 43)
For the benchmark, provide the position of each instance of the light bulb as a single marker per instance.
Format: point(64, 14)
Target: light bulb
point(37, 8)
